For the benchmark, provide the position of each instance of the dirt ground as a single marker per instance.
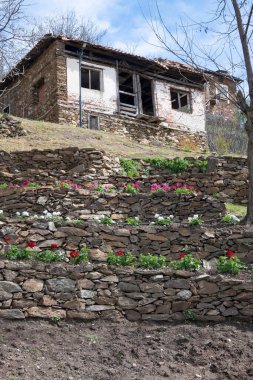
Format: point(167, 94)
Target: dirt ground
point(38, 350)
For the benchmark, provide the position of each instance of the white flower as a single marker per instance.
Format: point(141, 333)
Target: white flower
point(45, 212)
point(1, 212)
point(160, 218)
point(234, 218)
point(25, 213)
point(195, 216)
point(18, 213)
point(157, 215)
point(171, 216)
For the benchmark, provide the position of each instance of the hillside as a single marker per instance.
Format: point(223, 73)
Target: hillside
point(44, 135)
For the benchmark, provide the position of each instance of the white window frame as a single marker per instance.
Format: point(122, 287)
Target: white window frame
point(178, 91)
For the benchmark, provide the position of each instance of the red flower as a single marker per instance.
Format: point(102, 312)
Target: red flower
point(120, 252)
point(181, 255)
point(54, 246)
point(7, 239)
point(229, 254)
point(31, 244)
point(73, 254)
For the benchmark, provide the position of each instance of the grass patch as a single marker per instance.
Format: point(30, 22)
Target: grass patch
point(238, 210)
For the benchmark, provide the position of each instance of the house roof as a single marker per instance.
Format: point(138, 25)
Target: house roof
point(48, 39)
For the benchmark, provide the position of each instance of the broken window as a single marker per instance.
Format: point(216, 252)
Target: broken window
point(39, 92)
point(6, 109)
point(180, 101)
point(93, 122)
point(222, 91)
point(135, 94)
point(91, 79)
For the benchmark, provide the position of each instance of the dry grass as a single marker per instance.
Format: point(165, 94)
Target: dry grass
point(44, 135)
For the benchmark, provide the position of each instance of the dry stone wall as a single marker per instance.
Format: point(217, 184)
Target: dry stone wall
point(10, 127)
point(91, 291)
point(206, 241)
point(86, 205)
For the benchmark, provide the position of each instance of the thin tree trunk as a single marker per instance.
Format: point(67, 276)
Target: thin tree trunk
point(249, 216)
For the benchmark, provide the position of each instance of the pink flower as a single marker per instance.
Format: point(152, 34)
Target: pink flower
point(123, 185)
point(136, 185)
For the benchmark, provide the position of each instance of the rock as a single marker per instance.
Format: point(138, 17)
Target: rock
point(12, 314)
point(184, 231)
point(47, 300)
point(59, 285)
point(132, 315)
point(97, 255)
point(87, 293)
point(184, 294)
point(206, 287)
point(9, 275)
point(247, 310)
point(82, 315)
point(164, 309)
point(10, 287)
point(99, 308)
point(74, 305)
point(33, 285)
point(150, 287)
point(128, 287)
point(177, 284)
point(23, 303)
point(73, 231)
point(85, 284)
point(146, 309)
point(5, 295)
point(127, 303)
point(111, 278)
point(45, 312)
point(51, 227)
point(42, 200)
point(230, 311)
point(180, 306)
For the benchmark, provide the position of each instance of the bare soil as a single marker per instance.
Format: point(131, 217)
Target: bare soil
point(102, 350)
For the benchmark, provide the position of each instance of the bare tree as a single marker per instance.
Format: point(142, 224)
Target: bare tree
point(232, 25)
point(69, 25)
point(11, 31)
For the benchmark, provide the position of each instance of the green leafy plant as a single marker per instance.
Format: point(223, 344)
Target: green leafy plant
point(189, 315)
point(216, 195)
point(79, 257)
point(177, 165)
point(54, 320)
point(131, 189)
point(202, 165)
point(120, 258)
point(4, 185)
point(133, 221)
point(229, 263)
point(195, 220)
point(130, 168)
point(49, 255)
point(184, 190)
point(105, 220)
point(15, 253)
point(151, 261)
point(185, 262)
point(187, 149)
point(230, 219)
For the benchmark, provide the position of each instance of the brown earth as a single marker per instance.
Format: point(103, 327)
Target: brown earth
point(38, 350)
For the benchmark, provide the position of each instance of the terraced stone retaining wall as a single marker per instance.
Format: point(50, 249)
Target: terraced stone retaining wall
point(85, 205)
point(206, 242)
point(92, 291)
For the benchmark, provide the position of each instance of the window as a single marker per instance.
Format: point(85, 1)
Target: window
point(180, 101)
point(93, 122)
point(39, 93)
point(6, 109)
point(221, 92)
point(91, 79)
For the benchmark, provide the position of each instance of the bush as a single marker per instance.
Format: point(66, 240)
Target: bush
point(151, 261)
point(15, 253)
point(174, 166)
point(120, 258)
point(133, 221)
point(185, 262)
point(49, 255)
point(79, 257)
point(130, 168)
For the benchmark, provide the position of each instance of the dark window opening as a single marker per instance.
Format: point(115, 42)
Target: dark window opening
point(127, 99)
point(126, 82)
point(93, 122)
point(39, 92)
point(147, 96)
point(91, 79)
point(180, 101)
point(6, 109)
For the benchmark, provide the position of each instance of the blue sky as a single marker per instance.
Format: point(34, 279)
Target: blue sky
point(124, 19)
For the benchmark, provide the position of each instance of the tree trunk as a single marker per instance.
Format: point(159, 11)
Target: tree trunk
point(249, 216)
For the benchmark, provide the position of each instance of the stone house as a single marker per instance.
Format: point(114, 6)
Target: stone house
point(120, 92)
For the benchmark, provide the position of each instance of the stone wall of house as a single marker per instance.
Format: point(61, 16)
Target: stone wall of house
point(86, 205)
point(92, 291)
point(29, 97)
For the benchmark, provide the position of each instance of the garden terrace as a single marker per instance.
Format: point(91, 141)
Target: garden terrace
point(84, 204)
point(205, 241)
point(91, 291)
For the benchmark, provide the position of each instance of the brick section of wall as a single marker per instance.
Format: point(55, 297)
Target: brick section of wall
point(24, 98)
point(92, 291)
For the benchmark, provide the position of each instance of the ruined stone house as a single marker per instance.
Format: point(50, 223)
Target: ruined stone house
point(120, 92)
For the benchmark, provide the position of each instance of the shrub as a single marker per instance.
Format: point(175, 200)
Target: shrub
point(184, 190)
point(120, 258)
point(15, 253)
point(185, 262)
point(151, 261)
point(76, 257)
point(229, 263)
point(202, 165)
point(130, 168)
point(105, 220)
point(177, 165)
point(131, 189)
point(3, 185)
point(133, 221)
point(189, 315)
